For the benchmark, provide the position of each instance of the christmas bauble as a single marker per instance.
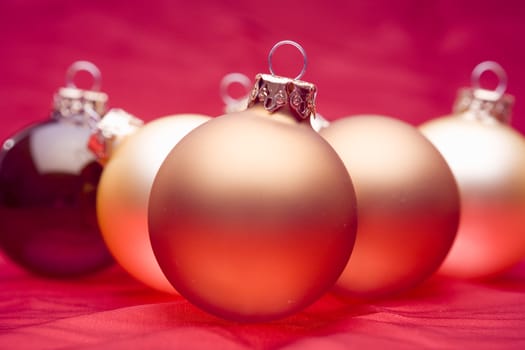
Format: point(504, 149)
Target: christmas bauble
point(123, 192)
point(252, 215)
point(48, 182)
point(407, 203)
point(487, 158)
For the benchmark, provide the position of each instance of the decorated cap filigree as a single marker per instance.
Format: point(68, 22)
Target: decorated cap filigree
point(275, 92)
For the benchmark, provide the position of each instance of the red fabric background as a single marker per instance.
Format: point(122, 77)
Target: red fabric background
point(405, 59)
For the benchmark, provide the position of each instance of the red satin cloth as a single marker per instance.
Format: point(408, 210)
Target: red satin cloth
point(112, 311)
point(405, 59)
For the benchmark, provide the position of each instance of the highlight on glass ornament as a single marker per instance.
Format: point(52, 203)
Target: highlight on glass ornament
point(407, 204)
point(252, 214)
point(48, 182)
point(487, 157)
point(133, 154)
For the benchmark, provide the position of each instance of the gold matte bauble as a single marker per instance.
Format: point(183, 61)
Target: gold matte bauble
point(407, 202)
point(487, 158)
point(123, 192)
point(252, 215)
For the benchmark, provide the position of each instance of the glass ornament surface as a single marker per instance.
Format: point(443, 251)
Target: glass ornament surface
point(487, 157)
point(123, 194)
point(48, 182)
point(407, 204)
point(252, 214)
point(488, 161)
point(250, 218)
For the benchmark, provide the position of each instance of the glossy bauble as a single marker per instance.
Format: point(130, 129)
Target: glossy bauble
point(487, 158)
point(122, 199)
point(252, 216)
point(48, 182)
point(407, 200)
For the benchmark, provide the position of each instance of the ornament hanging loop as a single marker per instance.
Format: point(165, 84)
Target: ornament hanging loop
point(230, 79)
point(298, 47)
point(79, 105)
point(498, 70)
point(87, 67)
point(482, 104)
point(274, 92)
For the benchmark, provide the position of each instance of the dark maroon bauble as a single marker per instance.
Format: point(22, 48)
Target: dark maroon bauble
point(48, 182)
